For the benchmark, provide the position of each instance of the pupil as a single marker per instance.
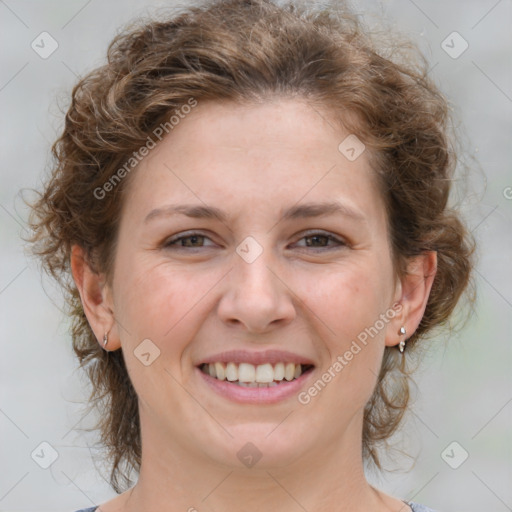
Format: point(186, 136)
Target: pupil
point(316, 237)
point(193, 239)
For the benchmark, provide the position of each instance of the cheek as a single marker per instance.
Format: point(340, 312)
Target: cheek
point(347, 304)
point(158, 301)
point(160, 304)
point(346, 299)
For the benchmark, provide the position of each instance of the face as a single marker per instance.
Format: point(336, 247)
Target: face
point(268, 288)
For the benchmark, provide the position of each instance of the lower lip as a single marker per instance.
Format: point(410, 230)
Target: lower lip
point(269, 395)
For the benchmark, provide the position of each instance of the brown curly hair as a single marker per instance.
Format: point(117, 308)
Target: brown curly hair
point(250, 51)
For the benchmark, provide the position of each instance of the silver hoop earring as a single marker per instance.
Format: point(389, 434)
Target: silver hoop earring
point(105, 340)
point(401, 345)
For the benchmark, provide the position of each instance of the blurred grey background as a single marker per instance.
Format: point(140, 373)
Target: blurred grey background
point(460, 426)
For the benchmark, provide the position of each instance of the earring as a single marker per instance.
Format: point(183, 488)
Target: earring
point(401, 345)
point(105, 340)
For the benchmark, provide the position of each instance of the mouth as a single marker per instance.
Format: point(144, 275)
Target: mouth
point(255, 377)
point(248, 375)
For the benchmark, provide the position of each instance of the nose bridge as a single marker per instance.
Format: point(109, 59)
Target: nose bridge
point(256, 296)
point(253, 260)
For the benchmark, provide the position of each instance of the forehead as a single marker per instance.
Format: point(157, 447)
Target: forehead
point(278, 151)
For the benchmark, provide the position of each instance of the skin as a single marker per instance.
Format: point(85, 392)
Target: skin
point(253, 162)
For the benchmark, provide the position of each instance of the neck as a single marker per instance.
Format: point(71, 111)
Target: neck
point(320, 480)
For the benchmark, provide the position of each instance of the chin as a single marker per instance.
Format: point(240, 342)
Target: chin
point(263, 446)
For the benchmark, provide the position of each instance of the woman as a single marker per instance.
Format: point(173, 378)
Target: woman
point(249, 214)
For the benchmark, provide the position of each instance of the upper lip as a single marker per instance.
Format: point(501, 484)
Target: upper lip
point(256, 358)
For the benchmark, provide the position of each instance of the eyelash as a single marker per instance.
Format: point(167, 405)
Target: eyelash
point(170, 243)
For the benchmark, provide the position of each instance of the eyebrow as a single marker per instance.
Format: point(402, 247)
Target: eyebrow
point(303, 211)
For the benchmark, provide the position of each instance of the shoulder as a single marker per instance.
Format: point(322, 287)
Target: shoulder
point(416, 507)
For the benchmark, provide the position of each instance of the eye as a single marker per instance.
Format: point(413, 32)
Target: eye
point(188, 240)
point(196, 240)
point(319, 240)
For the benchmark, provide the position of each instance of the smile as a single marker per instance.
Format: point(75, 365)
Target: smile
point(255, 377)
point(252, 376)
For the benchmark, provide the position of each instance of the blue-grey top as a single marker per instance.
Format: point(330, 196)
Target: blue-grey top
point(416, 507)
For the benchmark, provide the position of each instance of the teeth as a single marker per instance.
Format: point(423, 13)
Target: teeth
point(249, 375)
point(279, 371)
point(246, 372)
point(265, 373)
point(220, 371)
point(231, 372)
point(256, 384)
point(289, 371)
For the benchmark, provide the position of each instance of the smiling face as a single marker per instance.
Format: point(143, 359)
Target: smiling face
point(264, 280)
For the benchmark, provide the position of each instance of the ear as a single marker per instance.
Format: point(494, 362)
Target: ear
point(96, 298)
point(412, 294)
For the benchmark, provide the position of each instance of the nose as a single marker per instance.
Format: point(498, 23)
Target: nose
point(256, 295)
